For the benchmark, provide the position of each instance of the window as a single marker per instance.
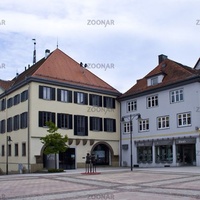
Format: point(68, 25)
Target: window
point(127, 127)
point(16, 150)
point(46, 117)
point(95, 124)
point(23, 120)
point(154, 81)
point(164, 153)
point(16, 122)
point(3, 126)
point(24, 149)
point(176, 96)
point(9, 124)
point(80, 125)
point(144, 125)
point(108, 102)
point(9, 102)
point(152, 101)
point(184, 119)
point(109, 125)
point(47, 93)
point(80, 98)
point(64, 120)
point(3, 104)
point(132, 106)
point(144, 154)
point(95, 100)
point(2, 150)
point(163, 122)
point(16, 99)
point(64, 96)
point(24, 95)
point(9, 150)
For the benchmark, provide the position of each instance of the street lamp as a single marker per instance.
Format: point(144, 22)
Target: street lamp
point(8, 139)
point(130, 118)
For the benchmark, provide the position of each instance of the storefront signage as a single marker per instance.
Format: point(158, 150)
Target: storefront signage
point(163, 142)
point(144, 144)
point(186, 141)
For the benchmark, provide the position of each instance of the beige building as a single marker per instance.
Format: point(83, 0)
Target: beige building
point(57, 89)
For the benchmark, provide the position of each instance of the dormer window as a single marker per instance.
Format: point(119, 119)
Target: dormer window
point(154, 81)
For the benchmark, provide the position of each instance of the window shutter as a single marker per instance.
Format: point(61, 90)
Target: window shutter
point(100, 121)
point(58, 94)
point(52, 93)
point(40, 119)
point(59, 120)
point(91, 123)
point(114, 125)
point(100, 101)
point(86, 126)
point(104, 102)
point(70, 121)
point(105, 124)
point(85, 96)
point(75, 97)
point(70, 96)
point(53, 117)
point(90, 99)
point(40, 92)
point(75, 124)
point(113, 104)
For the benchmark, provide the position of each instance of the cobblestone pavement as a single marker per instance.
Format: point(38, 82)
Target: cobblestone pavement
point(113, 183)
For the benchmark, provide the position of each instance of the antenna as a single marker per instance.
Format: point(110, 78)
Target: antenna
point(34, 52)
point(57, 43)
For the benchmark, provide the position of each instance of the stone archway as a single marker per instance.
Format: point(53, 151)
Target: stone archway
point(103, 153)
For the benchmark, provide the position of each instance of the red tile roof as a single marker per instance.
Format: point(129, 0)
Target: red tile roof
point(6, 84)
point(173, 72)
point(60, 67)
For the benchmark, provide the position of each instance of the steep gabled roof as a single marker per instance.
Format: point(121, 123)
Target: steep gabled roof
point(173, 73)
point(60, 67)
point(5, 84)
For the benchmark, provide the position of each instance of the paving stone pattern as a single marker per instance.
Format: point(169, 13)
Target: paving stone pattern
point(120, 184)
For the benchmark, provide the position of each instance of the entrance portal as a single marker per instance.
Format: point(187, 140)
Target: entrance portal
point(102, 154)
point(67, 159)
point(186, 154)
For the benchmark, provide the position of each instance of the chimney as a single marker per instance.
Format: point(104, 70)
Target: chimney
point(161, 58)
point(47, 52)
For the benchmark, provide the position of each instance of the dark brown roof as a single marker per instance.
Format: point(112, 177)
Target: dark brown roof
point(173, 72)
point(60, 67)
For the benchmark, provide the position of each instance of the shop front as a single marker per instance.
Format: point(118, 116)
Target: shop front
point(166, 152)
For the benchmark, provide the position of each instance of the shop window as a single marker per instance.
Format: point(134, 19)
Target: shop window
point(144, 154)
point(164, 153)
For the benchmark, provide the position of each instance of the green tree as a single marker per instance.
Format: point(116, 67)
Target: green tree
point(54, 142)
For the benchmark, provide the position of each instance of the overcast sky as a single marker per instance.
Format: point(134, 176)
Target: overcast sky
point(135, 33)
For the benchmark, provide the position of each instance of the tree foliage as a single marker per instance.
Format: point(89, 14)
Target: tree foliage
point(54, 142)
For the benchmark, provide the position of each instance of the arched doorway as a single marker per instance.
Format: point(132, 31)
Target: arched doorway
point(103, 153)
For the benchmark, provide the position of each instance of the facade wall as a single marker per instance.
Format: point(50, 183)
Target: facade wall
point(32, 133)
point(153, 135)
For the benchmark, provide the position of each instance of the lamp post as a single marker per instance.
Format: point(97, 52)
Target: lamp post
point(8, 139)
point(131, 117)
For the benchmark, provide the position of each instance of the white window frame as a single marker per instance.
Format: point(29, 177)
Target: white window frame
point(163, 122)
point(185, 119)
point(176, 96)
point(153, 101)
point(47, 93)
point(127, 127)
point(131, 105)
point(143, 125)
